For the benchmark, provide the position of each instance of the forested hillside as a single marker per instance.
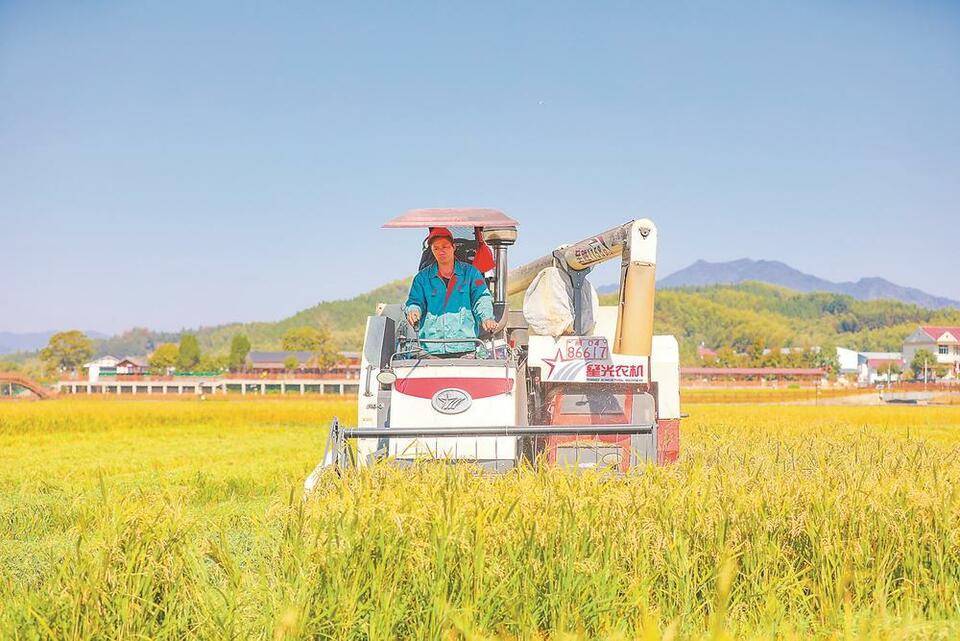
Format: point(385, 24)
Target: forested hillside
point(742, 317)
point(344, 318)
point(738, 316)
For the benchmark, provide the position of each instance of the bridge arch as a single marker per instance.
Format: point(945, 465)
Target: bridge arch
point(12, 385)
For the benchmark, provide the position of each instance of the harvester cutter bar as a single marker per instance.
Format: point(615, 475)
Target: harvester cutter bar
point(494, 430)
point(338, 456)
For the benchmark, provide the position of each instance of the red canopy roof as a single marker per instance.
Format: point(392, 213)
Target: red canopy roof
point(464, 217)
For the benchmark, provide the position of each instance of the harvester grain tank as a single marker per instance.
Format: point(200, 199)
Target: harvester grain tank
point(562, 381)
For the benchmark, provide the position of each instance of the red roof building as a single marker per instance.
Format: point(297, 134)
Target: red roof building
point(941, 341)
point(942, 333)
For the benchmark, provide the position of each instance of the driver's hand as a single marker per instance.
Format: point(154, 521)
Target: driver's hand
point(413, 317)
point(489, 324)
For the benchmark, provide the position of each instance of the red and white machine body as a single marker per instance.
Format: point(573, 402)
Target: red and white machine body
point(585, 383)
point(452, 396)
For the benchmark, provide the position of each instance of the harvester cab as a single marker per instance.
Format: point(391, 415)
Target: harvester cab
point(561, 381)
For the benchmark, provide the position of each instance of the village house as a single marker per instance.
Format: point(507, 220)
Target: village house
point(133, 365)
point(112, 366)
point(848, 361)
point(103, 366)
point(879, 367)
point(870, 368)
point(942, 342)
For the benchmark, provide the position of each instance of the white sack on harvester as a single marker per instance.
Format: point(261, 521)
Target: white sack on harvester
point(547, 305)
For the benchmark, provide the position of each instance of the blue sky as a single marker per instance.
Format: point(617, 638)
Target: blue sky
point(171, 164)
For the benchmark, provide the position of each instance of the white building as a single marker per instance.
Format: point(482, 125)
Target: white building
point(106, 365)
point(849, 360)
point(133, 365)
point(942, 342)
point(870, 367)
point(879, 367)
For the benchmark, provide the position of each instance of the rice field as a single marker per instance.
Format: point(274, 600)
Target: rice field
point(154, 520)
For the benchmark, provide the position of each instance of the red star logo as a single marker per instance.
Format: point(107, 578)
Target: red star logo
point(552, 362)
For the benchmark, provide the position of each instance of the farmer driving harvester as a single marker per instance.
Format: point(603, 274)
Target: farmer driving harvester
point(562, 381)
point(449, 298)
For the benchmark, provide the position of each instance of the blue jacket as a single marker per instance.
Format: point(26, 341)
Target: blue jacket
point(457, 315)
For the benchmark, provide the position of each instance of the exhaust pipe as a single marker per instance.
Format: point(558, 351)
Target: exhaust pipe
point(499, 239)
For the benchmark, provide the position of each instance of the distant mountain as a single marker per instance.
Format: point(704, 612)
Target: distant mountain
point(703, 273)
point(11, 342)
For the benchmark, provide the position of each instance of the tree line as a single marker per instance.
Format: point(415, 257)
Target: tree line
point(70, 350)
point(750, 317)
point(747, 318)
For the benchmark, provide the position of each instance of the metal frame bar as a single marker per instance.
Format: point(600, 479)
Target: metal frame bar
point(494, 430)
point(403, 341)
point(443, 340)
point(449, 362)
point(338, 456)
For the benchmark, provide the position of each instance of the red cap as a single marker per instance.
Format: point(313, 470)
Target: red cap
point(439, 232)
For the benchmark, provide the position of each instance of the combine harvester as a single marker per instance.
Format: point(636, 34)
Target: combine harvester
point(562, 382)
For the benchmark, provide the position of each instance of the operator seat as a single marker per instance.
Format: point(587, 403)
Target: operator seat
point(464, 250)
point(394, 312)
